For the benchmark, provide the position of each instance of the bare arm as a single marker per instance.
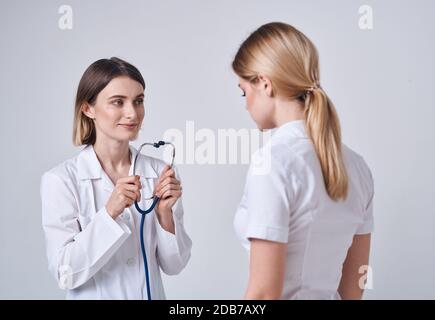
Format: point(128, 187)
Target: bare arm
point(266, 269)
point(357, 256)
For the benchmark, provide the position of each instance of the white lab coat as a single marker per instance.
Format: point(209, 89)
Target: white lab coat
point(288, 203)
point(94, 256)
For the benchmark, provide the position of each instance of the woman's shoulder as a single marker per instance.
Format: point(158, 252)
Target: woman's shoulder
point(354, 159)
point(61, 179)
point(275, 157)
point(358, 169)
point(287, 153)
point(64, 171)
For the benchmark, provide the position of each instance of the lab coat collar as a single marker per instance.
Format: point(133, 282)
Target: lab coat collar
point(88, 166)
point(295, 128)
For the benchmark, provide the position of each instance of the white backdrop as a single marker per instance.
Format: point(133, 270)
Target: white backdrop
point(380, 79)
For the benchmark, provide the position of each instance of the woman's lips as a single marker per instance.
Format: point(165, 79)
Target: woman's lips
point(129, 126)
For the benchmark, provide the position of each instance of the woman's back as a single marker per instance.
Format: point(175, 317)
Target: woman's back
point(320, 230)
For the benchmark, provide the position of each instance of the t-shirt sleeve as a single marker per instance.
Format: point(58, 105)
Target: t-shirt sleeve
point(268, 199)
point(367, 226)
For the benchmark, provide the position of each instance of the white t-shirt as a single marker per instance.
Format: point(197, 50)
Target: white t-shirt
point(285, 200)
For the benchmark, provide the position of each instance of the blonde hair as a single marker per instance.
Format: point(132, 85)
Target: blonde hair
point(290, 60)
point(96, 77)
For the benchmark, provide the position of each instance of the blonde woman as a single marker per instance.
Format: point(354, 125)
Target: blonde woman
point(307, 220)
point(91, 227)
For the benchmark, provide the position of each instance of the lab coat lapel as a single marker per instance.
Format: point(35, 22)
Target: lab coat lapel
point(89, 168)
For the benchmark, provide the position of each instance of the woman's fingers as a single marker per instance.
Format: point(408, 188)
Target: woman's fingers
point(169, 173)
point(125, 200)
point(130, 187)
point(135, 180)
point(126, 191)
point(129, 179)
point(166, 172)
point(170, 187)
point(162, 174)
point(130, 195)
point(165, 182)
point(167, 186)
point(171, 193)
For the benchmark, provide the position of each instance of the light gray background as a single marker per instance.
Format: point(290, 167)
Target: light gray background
point(382, 82)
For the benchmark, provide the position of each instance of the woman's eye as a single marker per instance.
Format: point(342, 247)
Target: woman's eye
point(244, 94)
point(118, 102)
point(139, 101)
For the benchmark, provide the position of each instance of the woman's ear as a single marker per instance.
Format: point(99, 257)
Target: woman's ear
point(266, 85)
point(88, 110)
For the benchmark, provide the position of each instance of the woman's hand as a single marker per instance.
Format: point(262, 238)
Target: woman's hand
point(169, 190)
point(125, 193)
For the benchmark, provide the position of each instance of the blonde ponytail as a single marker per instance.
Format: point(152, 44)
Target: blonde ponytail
point(323, 128)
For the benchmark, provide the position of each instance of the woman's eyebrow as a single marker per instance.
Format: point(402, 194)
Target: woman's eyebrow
point(117, 96)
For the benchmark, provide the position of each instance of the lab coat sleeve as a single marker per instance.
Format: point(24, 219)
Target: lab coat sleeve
point(173, 250)
point(367, 226)
point(75, 255)
point(268, 197)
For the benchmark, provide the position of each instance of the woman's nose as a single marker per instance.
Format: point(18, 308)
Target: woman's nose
point(130, 110)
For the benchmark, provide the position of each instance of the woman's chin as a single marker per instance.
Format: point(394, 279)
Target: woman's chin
point(133, 136)
point(128, 136)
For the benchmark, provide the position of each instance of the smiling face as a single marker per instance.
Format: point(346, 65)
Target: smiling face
point(259, 101)
point(118, 110)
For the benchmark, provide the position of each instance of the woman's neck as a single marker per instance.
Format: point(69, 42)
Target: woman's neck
point(286, 111)
point(113, 155)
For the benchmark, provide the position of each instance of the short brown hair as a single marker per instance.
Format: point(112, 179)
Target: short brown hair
point(94, 79)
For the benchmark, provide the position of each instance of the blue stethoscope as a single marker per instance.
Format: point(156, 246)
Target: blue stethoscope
point(151, 208)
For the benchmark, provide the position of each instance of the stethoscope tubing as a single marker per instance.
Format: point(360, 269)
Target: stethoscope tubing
point(143, 212)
